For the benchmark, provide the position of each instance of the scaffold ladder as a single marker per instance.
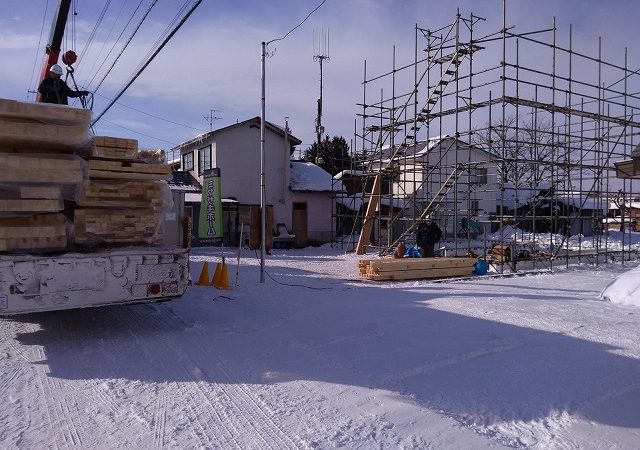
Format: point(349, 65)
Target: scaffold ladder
point(432, 207)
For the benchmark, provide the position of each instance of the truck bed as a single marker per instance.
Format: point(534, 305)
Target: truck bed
point(33, 283)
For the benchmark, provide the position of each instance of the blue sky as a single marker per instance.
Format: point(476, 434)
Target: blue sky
point(213, 62)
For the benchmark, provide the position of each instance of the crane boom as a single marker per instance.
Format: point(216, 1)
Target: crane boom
point(55, 39)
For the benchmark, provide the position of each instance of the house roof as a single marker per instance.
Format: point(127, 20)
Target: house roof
point(251, 122)
point(421, 148)
point(349, 173)
point(307, 177)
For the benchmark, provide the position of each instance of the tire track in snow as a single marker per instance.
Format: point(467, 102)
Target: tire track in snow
point(29, 356)
point(7, 379)
point(239, 406)
point(16, 348)
point(213, 424)
point(63, 415)
point(247, 407)
point(21, 351)
point(159, 422)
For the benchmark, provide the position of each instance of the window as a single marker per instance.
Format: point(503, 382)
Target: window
point(187, 161)
point(475, 208)
point(479, 175)
point(204, 159)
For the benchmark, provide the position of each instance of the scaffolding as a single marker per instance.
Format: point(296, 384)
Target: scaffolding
point(507, 139)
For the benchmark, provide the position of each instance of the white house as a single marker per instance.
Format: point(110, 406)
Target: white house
point(296, 199)
point(461, 179)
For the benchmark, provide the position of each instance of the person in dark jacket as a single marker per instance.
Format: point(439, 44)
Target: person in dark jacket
point(53, 89)
point(428, 234)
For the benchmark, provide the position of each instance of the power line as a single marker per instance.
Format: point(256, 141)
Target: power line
point(141, 134)
point(300, 24)
point(95, 30)
point(116, 42)
point(35, 61)
point(135, 31)
point(148, 61)
point(154, 116)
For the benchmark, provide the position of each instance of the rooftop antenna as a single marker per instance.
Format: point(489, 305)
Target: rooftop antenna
point(211, 117)
point(320, 54)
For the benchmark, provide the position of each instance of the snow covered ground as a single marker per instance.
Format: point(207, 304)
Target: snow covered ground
point(316, 358)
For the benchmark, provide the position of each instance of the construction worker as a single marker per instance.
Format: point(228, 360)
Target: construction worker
point(428, 234)
point(53, 89)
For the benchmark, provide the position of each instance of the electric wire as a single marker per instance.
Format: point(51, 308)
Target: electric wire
point(152, 115)
point(99, 57)
point(94, 31)
point(38, 51)
point(141, 134)
point(300, 24)
point(148, 61)
point(164, 33)
point(126, 44)
point(292, 284)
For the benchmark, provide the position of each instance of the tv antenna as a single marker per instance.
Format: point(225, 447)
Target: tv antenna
point(320, 54)
point(211, 117)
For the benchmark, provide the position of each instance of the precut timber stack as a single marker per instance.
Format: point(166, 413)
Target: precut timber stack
point(60, 187)
point(124, 197)
point(399, 269)
point(38, 172)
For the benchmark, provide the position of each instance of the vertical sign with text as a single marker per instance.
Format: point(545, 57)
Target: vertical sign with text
point(210, 221)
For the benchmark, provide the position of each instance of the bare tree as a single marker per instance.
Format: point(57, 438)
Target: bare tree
point(528, 154)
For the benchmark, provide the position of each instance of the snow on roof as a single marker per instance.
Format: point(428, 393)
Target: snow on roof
point(352, 173)
point(308, 177)
point(421, 148)
point(583, 201)
point(525, 194)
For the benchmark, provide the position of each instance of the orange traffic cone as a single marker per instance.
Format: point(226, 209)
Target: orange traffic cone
point(221, 277)
point(224, 277)
point(216, 275)
point(203, 280)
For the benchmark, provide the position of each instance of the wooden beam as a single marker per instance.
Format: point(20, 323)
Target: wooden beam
point(367, 223)
point(387, 269)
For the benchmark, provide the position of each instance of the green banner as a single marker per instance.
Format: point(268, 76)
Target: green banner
point(210, 223)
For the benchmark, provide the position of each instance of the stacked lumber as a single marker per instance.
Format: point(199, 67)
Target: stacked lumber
point(102, 225)
point(57, 182)
point(122, 194)
point(114, 148)
point(501, 253)
point(118, 211)
point(38, 172)
point(124, 199)
point(110, 192)
point(398, 269)
point(42, 127)
point(118, 159)
point(35, 232)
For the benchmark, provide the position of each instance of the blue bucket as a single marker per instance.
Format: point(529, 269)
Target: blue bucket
point(412, 252)
point(480, 268)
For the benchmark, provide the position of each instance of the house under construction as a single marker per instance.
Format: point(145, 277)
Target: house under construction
point(508, 139)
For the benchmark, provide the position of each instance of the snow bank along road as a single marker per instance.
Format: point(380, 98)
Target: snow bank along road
point(327, 361)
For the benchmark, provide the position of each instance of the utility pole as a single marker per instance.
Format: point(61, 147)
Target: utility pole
point(263, 192)
point(320, 54)
point(211, 117)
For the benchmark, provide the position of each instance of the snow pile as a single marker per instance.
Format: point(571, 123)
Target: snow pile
point(625, 289)
point(508, 232)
